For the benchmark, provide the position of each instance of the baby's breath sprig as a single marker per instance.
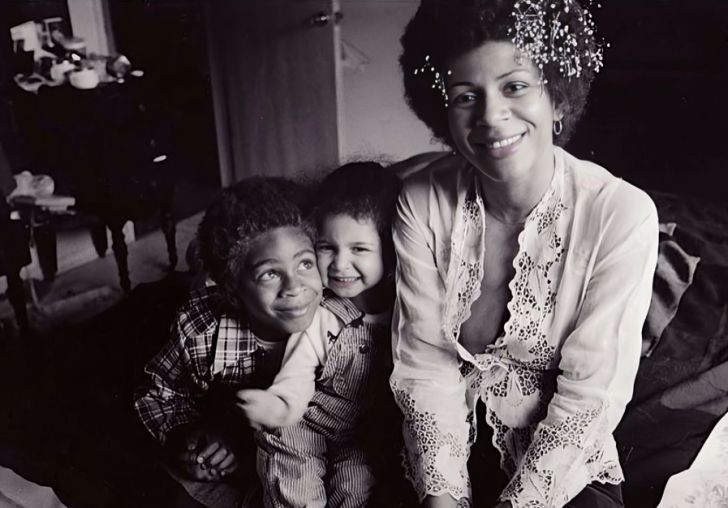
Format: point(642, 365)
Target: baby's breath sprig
point(438, 77)
point(540, 34)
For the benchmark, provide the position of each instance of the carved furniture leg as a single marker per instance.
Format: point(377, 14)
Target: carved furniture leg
point(16, 297)
point(118, 244)
point(99, 238)
point(170, 229)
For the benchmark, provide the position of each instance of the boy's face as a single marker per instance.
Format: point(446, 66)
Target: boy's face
point(349, 256)
point(281, 287)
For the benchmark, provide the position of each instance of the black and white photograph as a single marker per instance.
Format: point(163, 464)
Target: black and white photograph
point(363, 253)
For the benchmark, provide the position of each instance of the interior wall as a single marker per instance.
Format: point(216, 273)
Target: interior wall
point(90, 20)
point(377, 121)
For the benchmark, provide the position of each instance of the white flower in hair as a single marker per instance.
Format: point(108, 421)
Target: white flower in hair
point(438, 81)
point(541, 34)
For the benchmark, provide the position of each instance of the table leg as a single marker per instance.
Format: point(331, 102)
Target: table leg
point(44, 236)
point(170, 229)
point(118, 244)
point(99, 238)
point(16, 296)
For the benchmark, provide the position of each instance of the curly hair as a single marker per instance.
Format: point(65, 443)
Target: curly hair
point(250, 207)
point(363, 191)
point(446, 29)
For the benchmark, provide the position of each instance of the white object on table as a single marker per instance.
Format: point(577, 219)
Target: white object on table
point(84, 79)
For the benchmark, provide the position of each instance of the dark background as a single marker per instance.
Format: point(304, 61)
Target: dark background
point(166, 39)
point(658, 110)
point(656, 115)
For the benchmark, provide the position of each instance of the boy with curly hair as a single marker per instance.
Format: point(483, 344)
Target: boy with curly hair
point(256, 246)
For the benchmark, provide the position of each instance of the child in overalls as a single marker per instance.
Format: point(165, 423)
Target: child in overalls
point(336, 371)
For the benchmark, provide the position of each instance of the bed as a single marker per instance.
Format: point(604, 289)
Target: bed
point(681, 391)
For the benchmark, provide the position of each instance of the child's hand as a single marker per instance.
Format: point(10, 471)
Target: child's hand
point(261, 408)
point(207, 456)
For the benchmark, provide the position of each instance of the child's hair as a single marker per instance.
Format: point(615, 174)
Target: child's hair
point(250, 207)
point(363, 191)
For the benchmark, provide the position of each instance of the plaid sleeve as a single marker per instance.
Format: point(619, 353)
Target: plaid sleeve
point(168, 397)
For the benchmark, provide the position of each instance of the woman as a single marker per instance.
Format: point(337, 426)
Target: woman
point(524, 273)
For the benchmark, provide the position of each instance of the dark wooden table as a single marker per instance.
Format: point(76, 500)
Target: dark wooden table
point(107, 148)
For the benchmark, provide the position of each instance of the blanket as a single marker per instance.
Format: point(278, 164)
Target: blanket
point(681, 390)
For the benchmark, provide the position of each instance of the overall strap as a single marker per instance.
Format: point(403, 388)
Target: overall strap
point(342, 308)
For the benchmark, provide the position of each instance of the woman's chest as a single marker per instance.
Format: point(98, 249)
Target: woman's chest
point(489, 311)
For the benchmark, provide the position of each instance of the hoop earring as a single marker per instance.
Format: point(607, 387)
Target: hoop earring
point(558, 127)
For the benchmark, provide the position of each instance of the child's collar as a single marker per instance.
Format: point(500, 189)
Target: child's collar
point(343, 308)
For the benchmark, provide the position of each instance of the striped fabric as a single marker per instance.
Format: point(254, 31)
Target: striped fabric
point(329, 443)
point(293, 463)
point(208, 350)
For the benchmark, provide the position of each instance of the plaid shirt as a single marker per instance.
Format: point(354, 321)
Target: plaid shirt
point(207, 350)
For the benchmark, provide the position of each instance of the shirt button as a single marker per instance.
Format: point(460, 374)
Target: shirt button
point(363, 348)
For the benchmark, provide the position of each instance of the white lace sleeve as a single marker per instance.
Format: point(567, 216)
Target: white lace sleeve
point(599, 361)
point(426, 379)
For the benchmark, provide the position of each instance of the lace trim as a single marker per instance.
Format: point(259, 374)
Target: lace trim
point(515, 388)
point(550, 459)
point(466, 262)
point(422, 462)
point(538, 270)
point(537, 266)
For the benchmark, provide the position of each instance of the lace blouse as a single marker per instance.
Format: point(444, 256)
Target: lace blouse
point(556, 382)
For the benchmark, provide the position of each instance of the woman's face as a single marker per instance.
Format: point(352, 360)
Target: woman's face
point(500, 116)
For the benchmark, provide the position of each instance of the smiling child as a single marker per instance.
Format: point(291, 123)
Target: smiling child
point(257, 247)
point(318, 417)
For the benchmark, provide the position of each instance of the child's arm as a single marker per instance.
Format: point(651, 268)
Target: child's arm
point(285, 401)
point(263, 409)
point(165, 401)
point(166, 407)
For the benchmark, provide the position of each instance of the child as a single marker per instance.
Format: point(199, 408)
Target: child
point(256, 246)
point(327, 458)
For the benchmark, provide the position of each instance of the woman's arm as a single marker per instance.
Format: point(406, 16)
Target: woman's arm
point(426, 380)
point(599, 360)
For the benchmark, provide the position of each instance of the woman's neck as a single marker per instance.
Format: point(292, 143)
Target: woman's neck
point(510, 202)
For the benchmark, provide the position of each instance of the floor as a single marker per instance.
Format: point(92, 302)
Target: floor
point(81, 292)
point(17, 492)
point(83, 278)
point(74, 297)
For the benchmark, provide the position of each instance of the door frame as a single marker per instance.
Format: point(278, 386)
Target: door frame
point(220, 102)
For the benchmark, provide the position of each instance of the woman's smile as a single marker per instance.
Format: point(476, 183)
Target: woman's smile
point(497, 147)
